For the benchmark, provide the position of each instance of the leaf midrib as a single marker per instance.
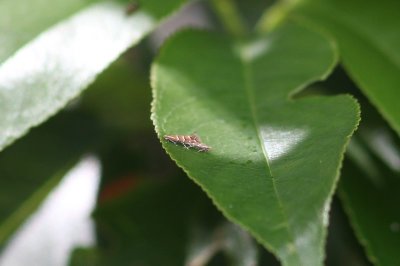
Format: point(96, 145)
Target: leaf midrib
point(249, 91)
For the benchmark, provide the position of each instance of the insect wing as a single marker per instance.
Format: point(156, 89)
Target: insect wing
point(188, 141)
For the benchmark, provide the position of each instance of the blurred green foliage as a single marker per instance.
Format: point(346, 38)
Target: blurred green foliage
point(148, 212)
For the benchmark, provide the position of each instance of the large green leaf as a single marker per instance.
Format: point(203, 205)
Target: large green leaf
point(274, 160)
point(42, 76)
point(21, 21)
point(368, 35)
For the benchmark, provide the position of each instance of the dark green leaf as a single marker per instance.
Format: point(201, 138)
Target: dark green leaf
point(151, 225)
point(274, 160)
point(342, 246)
point(42, 76)
point(84, 257)
point(237, 245)
point(127, 106)
point(31, 168)
point(369, 191)
point(368, 35)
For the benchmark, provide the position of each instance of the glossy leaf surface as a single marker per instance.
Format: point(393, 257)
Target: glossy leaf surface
point(368, 35)
point(274, 160)
point(42, 76)
point(21, 21)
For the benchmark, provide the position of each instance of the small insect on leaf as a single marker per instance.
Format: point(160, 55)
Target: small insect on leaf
point(188, 141)
point(131, 8)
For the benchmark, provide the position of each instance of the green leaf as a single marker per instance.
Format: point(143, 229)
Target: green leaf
point(236, 245)
point(84, 257)
point(154, 218)
point(73, 226)
point(126, 108)
point(21, 21)
point(369, 192)
point(274, 161)
point(368, 36)
point(342, 246)
point(32, 167)
point(42, 76)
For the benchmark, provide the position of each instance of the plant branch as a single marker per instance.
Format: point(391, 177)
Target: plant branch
point(230, 17)
point(275, 15)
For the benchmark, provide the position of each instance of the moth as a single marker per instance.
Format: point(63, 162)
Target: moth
point(188, 141)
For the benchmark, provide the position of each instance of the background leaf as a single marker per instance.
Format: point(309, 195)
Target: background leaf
point(271, 155)
point(21, 21)
point(368, 35)
point(342, 246)
point(55, 67)
point(59, 224)
point(120, 97)
point(377, 226)
point(85, 126)
point(156, 216)
point(31, 168)
point(225, 238)
point(369, 188)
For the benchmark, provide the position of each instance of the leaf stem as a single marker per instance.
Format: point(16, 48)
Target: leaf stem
point(230, 17)
point(275, 15)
